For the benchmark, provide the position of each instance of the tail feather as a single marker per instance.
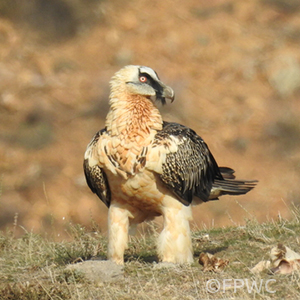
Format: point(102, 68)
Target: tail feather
point(230, 186)
point(227, 173)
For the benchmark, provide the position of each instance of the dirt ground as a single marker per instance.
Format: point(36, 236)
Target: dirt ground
point(235, 69)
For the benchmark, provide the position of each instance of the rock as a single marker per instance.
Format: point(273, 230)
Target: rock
point(98, 270)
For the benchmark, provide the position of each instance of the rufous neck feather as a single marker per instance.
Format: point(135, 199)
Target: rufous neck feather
point(132, 115)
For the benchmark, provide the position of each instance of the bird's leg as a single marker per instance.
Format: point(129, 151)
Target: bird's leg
point(118, 223)
point(174, 242)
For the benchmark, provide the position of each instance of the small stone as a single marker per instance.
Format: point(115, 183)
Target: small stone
point(98, 270)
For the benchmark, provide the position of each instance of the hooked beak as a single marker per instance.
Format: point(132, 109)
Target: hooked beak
point(165, 92)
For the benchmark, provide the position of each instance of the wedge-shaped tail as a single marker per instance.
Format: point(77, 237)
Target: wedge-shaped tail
point(230, 186)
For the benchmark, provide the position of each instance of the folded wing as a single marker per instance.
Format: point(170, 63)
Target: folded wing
point(190, 170)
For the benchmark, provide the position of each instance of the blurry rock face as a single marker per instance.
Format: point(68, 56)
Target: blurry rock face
point(287, 6)
point(55, 20)
point(284, 74)
point(234, 67)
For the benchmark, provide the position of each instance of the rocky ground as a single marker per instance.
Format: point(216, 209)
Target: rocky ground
point(235, 68)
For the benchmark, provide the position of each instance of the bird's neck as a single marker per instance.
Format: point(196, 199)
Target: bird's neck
point(133, 116)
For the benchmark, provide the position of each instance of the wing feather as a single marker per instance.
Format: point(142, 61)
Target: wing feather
point(190, 169)
point(94, 174)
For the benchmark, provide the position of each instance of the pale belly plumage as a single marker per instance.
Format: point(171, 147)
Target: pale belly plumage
point(142, 197)
point(139, 191)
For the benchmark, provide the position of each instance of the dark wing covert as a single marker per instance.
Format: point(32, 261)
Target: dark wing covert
point(192, 169)
point(95, 176)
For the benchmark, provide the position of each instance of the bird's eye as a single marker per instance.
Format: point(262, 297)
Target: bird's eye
point(143, 79)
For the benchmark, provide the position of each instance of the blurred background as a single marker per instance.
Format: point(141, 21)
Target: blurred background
point(235, 69)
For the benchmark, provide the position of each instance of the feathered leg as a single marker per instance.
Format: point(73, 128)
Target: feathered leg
point(118, 224)
point(174, 242)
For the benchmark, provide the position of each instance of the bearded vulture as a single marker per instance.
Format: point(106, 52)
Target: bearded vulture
point(141, 167)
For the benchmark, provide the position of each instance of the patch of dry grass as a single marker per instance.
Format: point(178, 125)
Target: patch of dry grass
point(33, 267)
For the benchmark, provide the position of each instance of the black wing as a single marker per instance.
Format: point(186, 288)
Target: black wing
point(191, 170)
point(95, 176)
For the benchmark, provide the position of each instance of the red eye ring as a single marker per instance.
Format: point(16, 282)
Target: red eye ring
point(143, 79)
